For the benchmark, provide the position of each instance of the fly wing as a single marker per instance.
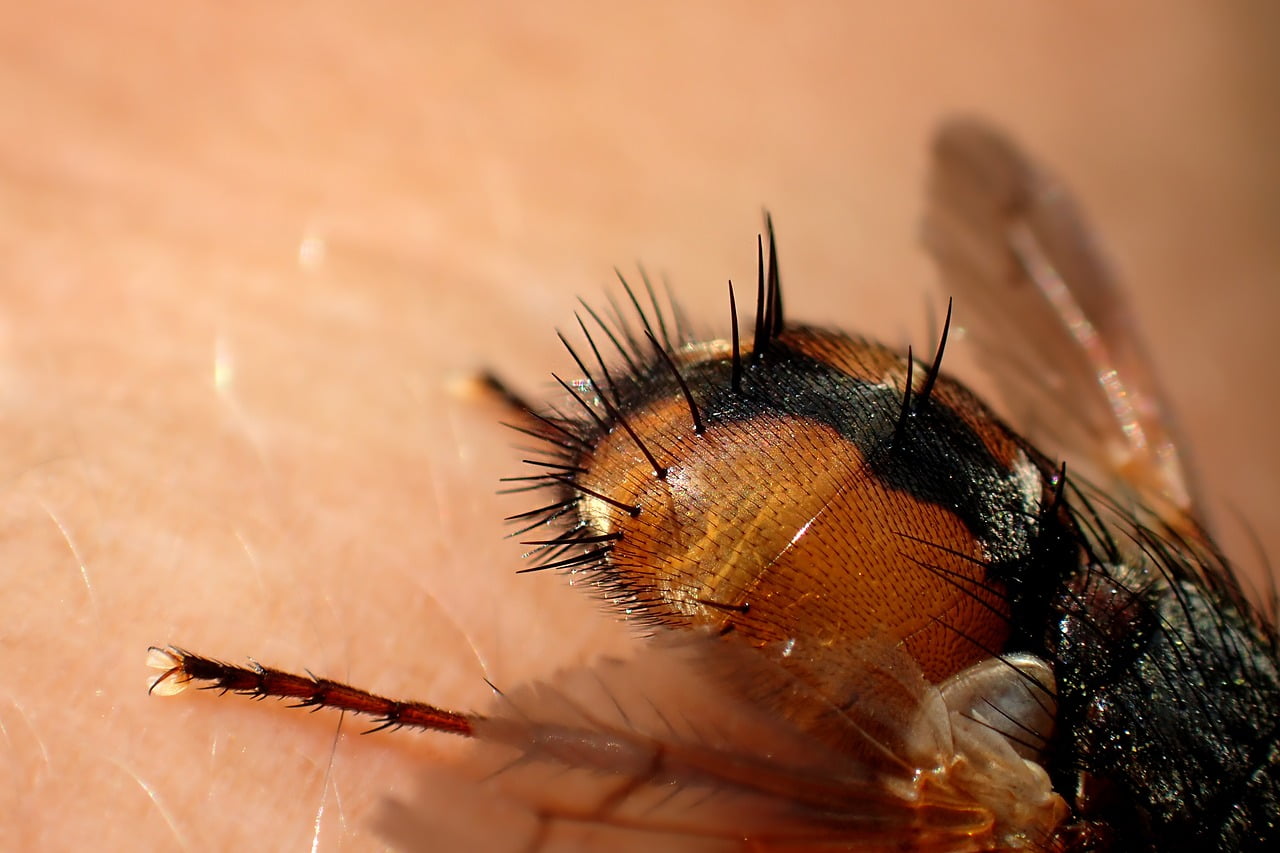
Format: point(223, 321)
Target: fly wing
point(1054, 329)
point(656, 752)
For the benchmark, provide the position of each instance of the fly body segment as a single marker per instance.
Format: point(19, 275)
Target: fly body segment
point(877, 617)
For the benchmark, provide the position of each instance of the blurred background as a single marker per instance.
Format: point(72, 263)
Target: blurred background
point(245, 249)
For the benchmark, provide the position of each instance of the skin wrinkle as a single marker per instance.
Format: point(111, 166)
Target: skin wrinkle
point(332, 509)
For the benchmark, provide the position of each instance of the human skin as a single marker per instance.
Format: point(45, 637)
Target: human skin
point(246, 254)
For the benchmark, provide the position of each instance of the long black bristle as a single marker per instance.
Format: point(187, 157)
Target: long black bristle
point(698, 427)
point(769, 320)
point(622, 321)
point(658, 314)
point(682, 327)
point(570, 562)
point(932, 376)
point(608, 377)
point(774, 282)
point(904, 410)
point(635, 302)
point(541, 436)
point(761, 340)
point(550, 511)
point(578, 540)
point(558, 425)
point(735, 376)
point(1059, 490)
point(629, 509)
point(570, 469)
point(658, 470)
point(583, 404)
point(604, 327)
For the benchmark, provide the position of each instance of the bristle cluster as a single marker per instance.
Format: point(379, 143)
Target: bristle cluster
point(911, 399)
point(646, 338)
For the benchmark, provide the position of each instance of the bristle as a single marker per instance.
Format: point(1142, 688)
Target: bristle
point(579, 540)
point(583, 404)
point(604, 369)
point(735, 377)
point(630, 509)
point(632, 367)
point(962, 583)
point(549, 511)
point(905, 410)
point(614, 413)
point(658, 314)
point(588, 558)
point(683, 329)
point(761, 343)
point(645, 325)
point(571, 469)
point(936, 368)
point(665, 356)
point(622, 322)
point(775, 324)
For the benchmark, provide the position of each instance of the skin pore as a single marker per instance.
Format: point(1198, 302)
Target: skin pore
point(247, 255)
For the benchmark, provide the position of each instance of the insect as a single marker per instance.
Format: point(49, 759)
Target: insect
point(880, 618)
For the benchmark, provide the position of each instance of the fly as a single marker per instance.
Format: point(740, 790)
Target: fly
point(879, 617)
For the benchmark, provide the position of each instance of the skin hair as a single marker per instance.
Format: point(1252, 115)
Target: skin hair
point(224, 437)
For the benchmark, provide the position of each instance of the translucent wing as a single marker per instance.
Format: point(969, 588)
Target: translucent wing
point(1053, 328)
point(656, 753)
